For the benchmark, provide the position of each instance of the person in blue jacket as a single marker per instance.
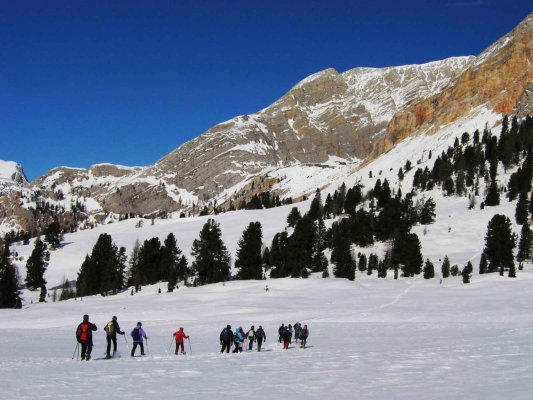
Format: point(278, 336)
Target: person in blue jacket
point(238, 340)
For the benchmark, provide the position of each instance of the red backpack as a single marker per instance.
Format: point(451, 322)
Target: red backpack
point(83, 332)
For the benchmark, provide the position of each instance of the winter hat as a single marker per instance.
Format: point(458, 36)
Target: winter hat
point(229, 326)
point(252, 328)
point(114, 318)
point(85, 318)
point(139, 324)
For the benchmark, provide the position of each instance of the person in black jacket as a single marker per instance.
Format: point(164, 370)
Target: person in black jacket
point(84, 336)
point(287, 337)
point(260, 336)
point(226, 338)
point(112, 328)
point(280, 332)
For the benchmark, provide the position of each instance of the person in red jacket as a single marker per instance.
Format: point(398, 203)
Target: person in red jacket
point(180, 336)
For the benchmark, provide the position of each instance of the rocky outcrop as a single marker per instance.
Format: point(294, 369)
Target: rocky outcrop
point(500, 78)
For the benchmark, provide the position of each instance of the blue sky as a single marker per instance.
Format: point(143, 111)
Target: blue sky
point(84, 82)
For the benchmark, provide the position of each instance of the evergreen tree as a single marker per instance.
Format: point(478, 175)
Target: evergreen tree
point(9, 285)
point(427, 216)
point(531, 204)
point(522, 206)
point(406, 251)
point(454, 270)
point(400, 174)
point(278, 255)
point(42, 294)
point(149, 264)
point(212, 260)
point(362, 263)
point(499, 243)
point(249, 261)
point(316, 209)
point(467, 272)
point(341, 254)
point(445, 269)
point(512, 272)
point(66, 291)
point(483, 264)
point(293, 217)
point(101, 271)
point(133, 275)
point(36, 266)
point(493, 196)
point(524, 246)
point(53, 235)
point(429, 270)
point(300, 247)
point(353, 197)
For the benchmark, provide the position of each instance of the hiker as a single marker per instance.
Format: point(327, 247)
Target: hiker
point(84, 336)
point(297, 329)
point(260, 337)
point(287, 336)
point(137, 334)
point(226, 337)
point(238, 339)
point(251, 337)
point(180, 335)
point(280, 331)
point(112, 328)
point(304, 334)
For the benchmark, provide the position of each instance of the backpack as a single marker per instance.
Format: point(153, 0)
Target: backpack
point(110, 328)
point(225, 334)
point(136, 335)
point(83, 332)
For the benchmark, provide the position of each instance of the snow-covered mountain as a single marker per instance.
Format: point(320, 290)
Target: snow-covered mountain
point(11, 174)
point(324, 130)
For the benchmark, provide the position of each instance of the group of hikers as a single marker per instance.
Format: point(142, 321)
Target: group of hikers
point(300, 333)
point(84, 337)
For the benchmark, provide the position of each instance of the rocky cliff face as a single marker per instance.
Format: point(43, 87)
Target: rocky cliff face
point(328, 120)
point(500, 78)
point(327, 114)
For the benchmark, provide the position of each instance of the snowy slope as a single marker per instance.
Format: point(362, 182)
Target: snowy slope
point(369, 339)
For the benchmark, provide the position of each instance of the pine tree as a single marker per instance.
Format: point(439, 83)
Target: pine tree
point(278, 255)
point(293, 217)
point(212, 260)
point(493, 196)
point(483, 264)
point(406, 251)
point(170, 256)
point(362, 263)
point(522, 206)
point(341, 254)
point(400, 174)
point(53, 235)
point(445, 269)
point(467, 272)
point(300, 247)
point(100, 272)
point(429, 270)
point(512, 272)
point(316, 209)
point(427, 216)
point(524, 246)
point(499, 243)
point(133, 275)
point(36, 266)
point(150, 259)
point(66, 291)
point(249, 260)
point(9, 285)
point(454, 270)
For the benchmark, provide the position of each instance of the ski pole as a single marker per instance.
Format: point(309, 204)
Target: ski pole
point(190, 348)
point(75, 350)
point(169, 347)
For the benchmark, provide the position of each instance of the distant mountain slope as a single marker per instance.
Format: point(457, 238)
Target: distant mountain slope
point(325, 128)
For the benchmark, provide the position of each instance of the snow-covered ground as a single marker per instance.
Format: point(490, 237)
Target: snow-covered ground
point(369, 339)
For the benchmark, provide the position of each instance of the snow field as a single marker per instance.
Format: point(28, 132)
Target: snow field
point(372, 339)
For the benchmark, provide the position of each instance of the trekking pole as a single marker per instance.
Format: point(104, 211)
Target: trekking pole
point(170, 346)
point(190, 348)
point(75, 350)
